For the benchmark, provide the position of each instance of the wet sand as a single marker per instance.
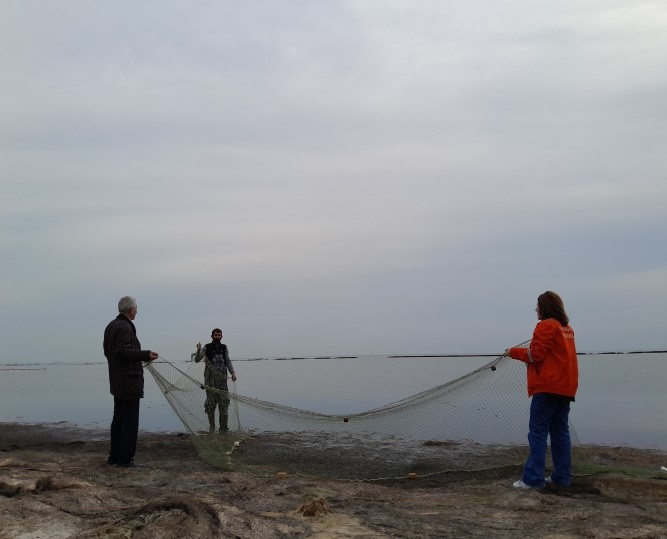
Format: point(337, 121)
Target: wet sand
point(54, 483)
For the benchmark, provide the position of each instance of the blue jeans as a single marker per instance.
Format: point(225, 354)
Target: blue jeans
point(549, 417)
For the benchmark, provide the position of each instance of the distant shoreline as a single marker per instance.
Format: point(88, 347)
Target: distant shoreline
point(19, 366)
point(496, 355)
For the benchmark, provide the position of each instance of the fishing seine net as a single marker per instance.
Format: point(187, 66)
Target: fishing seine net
point(474, 422)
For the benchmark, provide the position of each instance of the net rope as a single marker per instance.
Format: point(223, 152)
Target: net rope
point(473, 422)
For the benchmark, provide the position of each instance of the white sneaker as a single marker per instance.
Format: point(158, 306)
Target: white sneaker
point(520, 484)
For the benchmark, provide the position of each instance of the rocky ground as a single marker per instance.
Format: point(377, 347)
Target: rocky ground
point(54, 483)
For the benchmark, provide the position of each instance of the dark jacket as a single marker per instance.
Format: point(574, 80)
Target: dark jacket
point(124, 355)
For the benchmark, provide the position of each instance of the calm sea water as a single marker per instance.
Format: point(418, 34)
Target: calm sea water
point(622, 398)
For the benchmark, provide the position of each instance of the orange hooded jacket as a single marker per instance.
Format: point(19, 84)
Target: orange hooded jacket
point(551, 359)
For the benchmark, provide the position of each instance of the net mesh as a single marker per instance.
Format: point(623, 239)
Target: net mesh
point(470, 423)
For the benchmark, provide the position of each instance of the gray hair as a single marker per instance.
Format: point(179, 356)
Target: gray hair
point(126, 303)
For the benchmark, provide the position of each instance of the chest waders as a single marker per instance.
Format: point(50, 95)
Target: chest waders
point(218, 397)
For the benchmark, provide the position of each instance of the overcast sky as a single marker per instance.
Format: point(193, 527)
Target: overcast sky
point(331, 177)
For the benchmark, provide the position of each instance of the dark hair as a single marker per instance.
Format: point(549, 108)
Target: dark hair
point(550, 305)
point(216, 330)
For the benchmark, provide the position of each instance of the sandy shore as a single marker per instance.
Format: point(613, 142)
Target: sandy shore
point(54, 483)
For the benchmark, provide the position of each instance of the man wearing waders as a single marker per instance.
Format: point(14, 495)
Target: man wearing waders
point(215, 376)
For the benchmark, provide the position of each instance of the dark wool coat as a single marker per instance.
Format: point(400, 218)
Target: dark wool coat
point(124, 355)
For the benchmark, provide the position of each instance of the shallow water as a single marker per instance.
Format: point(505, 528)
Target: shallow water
point(621, 399)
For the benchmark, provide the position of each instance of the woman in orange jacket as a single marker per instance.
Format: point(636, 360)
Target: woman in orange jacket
point(553, 377)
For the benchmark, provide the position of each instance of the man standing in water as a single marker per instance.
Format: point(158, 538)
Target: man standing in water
point(215, 376)
point(126, 380)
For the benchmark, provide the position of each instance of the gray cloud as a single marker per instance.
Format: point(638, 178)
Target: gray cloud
point(331, 177)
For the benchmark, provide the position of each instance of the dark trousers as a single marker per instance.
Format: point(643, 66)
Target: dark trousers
point(124, 431)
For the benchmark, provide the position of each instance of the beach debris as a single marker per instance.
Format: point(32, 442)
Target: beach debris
point(50, 483)
point(314, 508)
point(9, 488)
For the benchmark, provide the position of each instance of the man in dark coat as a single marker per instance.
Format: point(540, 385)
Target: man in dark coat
point(126, 381)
